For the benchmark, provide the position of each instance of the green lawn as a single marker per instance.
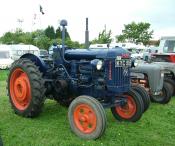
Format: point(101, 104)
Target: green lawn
point(51, 128)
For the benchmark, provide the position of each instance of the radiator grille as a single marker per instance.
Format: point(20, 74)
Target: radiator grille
point(118, 75)
point(121, 76)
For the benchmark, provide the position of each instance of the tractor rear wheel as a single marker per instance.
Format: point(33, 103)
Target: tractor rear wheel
point(144, 94)
point(132, 110)
point(87, 117)
point(25, 88)
point(165, 95)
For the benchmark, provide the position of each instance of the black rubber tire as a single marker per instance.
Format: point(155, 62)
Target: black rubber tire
point(144, 94)
point(172, 82)
point(36, 84)
point(99, 112)
point(165, 97)
point(139, 108)
point(171, 88)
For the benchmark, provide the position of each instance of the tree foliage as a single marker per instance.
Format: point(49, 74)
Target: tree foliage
point(40, 38)
point(103, 38)
point(136, 33)
point(50, 32)
point(58, 32)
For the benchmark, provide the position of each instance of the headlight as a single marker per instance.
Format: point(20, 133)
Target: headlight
point(99, 65)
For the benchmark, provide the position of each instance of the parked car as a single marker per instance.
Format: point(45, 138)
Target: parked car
point(149, 51)
point(53, 46)
point(43, 53)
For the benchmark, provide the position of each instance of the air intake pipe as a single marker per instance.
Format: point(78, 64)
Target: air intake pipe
point(58, 52)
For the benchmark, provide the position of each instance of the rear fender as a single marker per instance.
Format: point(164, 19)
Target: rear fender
point(37, 60)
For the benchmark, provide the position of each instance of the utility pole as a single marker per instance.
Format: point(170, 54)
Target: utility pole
point(87, 35)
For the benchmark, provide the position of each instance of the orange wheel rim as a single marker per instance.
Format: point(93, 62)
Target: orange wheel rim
point(85, 118)
point(128, 110)
point(20, 90)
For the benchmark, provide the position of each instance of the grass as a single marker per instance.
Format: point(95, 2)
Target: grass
point(51, 128)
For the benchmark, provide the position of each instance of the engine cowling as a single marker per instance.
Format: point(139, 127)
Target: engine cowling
point(89, 54)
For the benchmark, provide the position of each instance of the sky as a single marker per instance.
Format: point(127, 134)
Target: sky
point(112, 13)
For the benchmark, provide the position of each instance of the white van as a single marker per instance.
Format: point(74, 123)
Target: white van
point(20, 49)
point(9, 53)
point(5, 57)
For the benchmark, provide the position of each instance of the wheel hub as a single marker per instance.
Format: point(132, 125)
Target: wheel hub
point(85, 118)
point(128, 110)
point(20, 90)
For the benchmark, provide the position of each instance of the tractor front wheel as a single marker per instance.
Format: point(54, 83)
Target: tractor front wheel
point(87, 117)
point(130, 111)
point(25, 88)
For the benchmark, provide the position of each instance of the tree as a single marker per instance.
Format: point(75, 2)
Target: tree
point(67, 36)
point(42, 42)
point(50, 32)
point(73, 44)
point(40, 38)
point(103, 38)
point(7, 38)
point(58, 33)
point(15, 37)
point(136, 33)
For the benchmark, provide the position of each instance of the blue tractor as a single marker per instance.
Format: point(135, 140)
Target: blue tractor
point(86, 80)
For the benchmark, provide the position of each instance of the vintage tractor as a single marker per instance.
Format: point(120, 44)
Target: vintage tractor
point(86, 80)
point(151, 77)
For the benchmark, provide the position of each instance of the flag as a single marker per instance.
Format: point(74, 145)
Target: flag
point(41, 10)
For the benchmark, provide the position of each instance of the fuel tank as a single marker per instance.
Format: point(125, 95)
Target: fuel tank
point(89, 54)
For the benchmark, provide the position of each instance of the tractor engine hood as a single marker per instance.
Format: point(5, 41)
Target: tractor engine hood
point(89, 54)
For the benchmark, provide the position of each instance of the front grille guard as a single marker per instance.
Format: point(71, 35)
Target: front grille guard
point(122, 76)
point(118, 74)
